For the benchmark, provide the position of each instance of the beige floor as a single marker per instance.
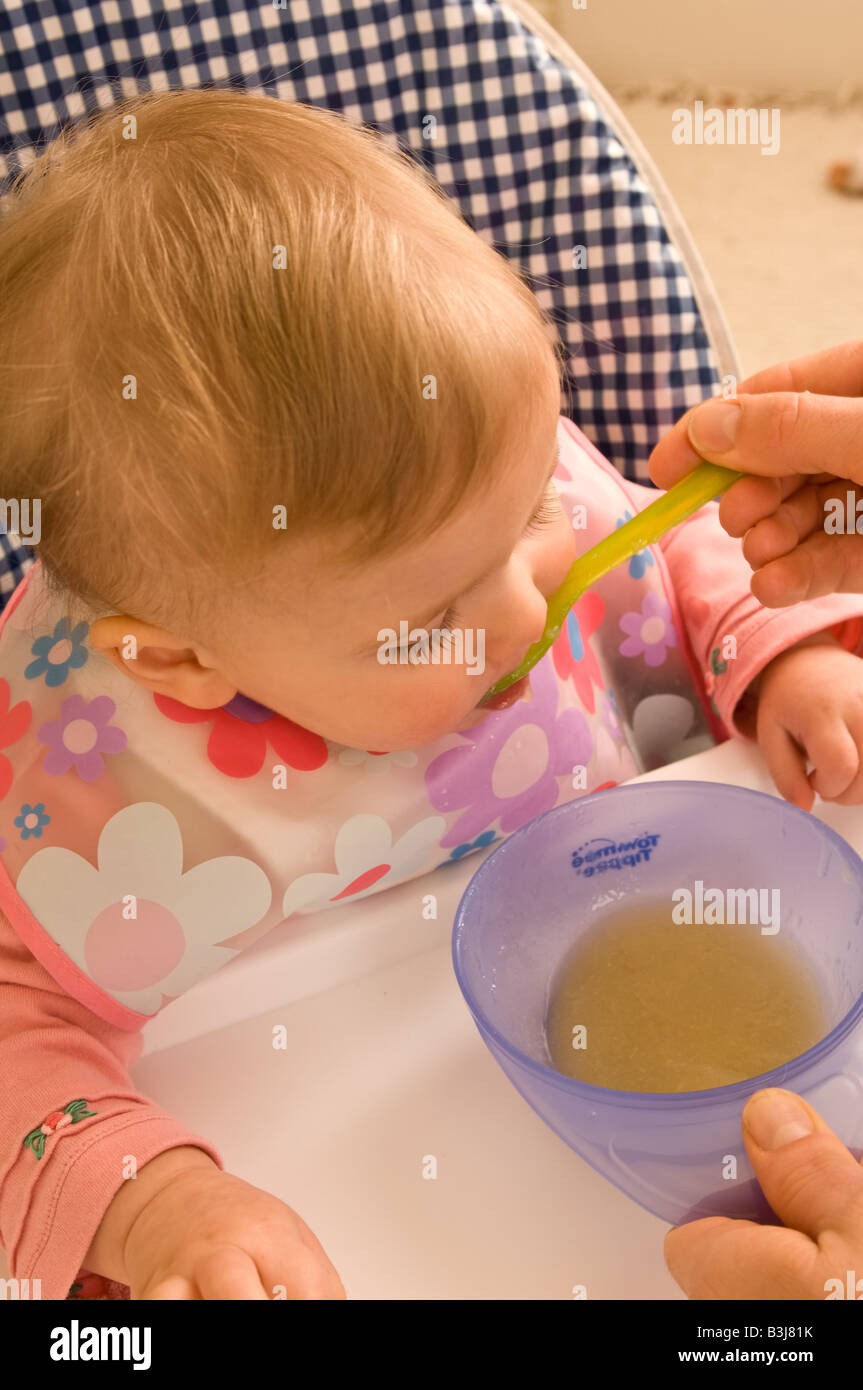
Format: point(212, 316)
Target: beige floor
point(784, 251)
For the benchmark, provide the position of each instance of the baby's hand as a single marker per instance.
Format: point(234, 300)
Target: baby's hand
point(209, 1235)
point(810, 707)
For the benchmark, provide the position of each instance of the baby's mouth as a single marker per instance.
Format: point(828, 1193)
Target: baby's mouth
point(519, 689)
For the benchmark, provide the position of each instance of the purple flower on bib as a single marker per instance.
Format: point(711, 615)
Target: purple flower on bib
point(651, 631)
point(507, 768)
point(80, 737)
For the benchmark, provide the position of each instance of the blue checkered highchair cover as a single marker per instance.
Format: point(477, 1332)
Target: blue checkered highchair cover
point(525, 140)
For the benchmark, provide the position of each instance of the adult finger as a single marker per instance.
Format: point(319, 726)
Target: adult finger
point(803, 512)
point(719, 1259)
point(751, 499)
point(813, 1184)
point(820, 565)
point(837, 371)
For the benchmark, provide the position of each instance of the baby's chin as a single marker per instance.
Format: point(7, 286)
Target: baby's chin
point(411, 739)
point(397, 734)
point(476, 716)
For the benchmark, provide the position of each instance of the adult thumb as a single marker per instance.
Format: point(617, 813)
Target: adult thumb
point(813, 1184)
point(781, 433)
point(810, 1179)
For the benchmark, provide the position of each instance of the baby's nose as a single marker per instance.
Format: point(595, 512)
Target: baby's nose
point(528, 624)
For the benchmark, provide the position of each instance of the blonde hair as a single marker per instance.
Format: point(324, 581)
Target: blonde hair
point(169, 376)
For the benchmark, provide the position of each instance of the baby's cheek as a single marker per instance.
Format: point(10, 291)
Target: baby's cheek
point(566, 548)
point(408, 694)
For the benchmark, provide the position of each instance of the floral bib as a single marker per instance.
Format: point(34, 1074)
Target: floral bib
point(144, 843)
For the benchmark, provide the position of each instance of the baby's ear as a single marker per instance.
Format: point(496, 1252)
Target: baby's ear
point(161, 661)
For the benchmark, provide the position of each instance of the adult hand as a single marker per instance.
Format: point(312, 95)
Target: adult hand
point(797, 428)
point(814, 1185)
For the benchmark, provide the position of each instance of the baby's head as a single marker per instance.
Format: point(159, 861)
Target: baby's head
point(276, 398)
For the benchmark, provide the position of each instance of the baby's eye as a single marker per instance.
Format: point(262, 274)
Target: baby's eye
point(447, 622)
point(548, 510)
point(445, 625)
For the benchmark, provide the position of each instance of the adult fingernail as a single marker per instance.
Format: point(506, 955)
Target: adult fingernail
point(775, 1118)
point(713, 427)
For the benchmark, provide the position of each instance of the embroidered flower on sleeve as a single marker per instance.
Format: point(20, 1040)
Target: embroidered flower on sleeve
point(75, 1111)
point(80, 737)
point(716, 668)
point(96, 1288)
point(58, 654)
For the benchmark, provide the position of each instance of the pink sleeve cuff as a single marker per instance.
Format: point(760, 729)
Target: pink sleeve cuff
point(765, 632)
point(81, 1181)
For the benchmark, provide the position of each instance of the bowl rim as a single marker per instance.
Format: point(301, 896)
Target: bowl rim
point(780, 1076)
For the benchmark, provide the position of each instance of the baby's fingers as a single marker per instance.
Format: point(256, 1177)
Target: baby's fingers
point(786, 763)
point(176, 1287)
point(831, 748)
point(835, 758)
point(229, 1273)
point(304, 1274)
point(286, 1269)
point(845, 766)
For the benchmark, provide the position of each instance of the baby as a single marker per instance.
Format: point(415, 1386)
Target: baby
point(306, 491)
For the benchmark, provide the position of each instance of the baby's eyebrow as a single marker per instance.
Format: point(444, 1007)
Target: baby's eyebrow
point(448, 603)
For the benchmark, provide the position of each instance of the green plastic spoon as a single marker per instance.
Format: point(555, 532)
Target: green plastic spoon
point(706, 481)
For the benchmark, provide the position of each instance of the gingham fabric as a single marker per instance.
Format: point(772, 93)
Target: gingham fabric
point(518, 140)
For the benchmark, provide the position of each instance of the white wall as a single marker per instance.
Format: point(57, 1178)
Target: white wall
point(763, 45)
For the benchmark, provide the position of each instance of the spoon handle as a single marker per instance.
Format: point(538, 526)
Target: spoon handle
point(705, 482)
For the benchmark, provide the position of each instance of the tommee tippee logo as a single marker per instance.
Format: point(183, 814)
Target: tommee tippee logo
point(601, 854)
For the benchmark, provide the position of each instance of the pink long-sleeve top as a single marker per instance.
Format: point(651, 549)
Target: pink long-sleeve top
point(658, 624)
